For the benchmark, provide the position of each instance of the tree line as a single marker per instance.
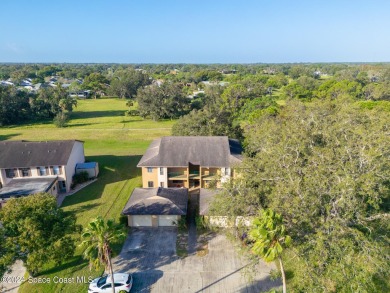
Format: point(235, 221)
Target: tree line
point(227, 93)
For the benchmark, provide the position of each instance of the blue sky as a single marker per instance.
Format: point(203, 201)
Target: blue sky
point(194, 31)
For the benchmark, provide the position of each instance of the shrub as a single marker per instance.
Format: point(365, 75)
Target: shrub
point(201, 224)
point(80, 178)
point(60, 120)
point(123, 220)
point(182, 223)
point(133, 113)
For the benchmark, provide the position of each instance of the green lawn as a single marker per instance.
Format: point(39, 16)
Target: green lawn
point(101, 124)
point(115, 141)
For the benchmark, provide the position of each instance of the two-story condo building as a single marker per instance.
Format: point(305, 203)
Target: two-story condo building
point(172, 166)
point(189, 161)
point(28, 167)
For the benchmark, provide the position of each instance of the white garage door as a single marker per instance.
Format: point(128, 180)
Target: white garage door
point(142, 221)
point(167, 220)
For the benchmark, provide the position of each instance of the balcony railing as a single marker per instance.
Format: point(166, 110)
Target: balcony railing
point(210, 176)
point(194, 175)
point(177, 175)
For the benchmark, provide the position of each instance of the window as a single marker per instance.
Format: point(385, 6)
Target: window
point(26, 172)
point(150, 183)
point(101, 281)
point(57, 170)
point(161, 184)
point(10, 173)
point(150, 169)
point(42, 171)
point(62, 185)
point(161, 171)
point(227, 171)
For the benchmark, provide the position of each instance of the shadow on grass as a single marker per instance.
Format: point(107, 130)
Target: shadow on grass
point(96, 114)
point(111, 169)
point(8, 136)
point(77, 263)
point(79, 125)
point(85, 207)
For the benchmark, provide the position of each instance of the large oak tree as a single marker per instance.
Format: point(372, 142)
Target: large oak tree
point(324, 166)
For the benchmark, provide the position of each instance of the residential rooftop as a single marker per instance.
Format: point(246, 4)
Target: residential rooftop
point(157, 201)
point(26, 186)
point(25, 154)
point(178, 151)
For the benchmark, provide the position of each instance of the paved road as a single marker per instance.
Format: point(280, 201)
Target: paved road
point(192, 211)
point(150, 254)
point(14, 279)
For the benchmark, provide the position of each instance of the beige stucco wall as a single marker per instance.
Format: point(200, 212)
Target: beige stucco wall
point(146, 176)
point(156, 178)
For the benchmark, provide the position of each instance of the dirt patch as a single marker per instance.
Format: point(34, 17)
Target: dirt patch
point(202, 248)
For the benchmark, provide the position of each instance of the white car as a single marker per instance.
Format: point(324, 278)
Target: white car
point(122, 282)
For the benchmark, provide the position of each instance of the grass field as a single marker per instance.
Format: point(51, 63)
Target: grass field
point(117, 142)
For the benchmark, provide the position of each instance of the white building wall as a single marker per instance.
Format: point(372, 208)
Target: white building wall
point(76, 156)
point(225, 174)
point(4, 180)
point(226, 222)
point(34, 171)
point(163, 178)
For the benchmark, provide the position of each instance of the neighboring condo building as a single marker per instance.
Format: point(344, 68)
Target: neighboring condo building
point(189, 161)
point(28, 167)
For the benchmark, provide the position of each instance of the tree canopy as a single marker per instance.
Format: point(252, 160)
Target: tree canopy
point(164, 101)
point(36, 231)
point(324, 166)
point(125, 83)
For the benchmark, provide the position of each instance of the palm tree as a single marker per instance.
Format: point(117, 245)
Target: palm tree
point(270, 237)
point(97, 237)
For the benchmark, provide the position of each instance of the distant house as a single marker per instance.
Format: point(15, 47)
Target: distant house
point(26, 82)
point(195, 94)
point(228, 71)
point(83, 94)
point(6, 83)
point(189, 161)
point(28, 167)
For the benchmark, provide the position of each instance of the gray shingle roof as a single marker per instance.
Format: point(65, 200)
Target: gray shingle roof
point(178, 151)
point(205, 198)
point(24, 154)
point(26, 186)
point(157, 201)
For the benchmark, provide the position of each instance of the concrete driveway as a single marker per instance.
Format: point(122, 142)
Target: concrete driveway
point(150, 254)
